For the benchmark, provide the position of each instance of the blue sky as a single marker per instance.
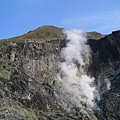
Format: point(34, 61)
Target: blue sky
point(20, 16)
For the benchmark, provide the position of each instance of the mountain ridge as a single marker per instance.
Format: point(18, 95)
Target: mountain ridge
point(49, 32)
point(29, 75)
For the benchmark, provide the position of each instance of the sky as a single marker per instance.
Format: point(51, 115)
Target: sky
point(20, 16)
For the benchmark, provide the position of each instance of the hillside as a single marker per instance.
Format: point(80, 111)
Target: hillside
point(31, 80)
point(48, 33)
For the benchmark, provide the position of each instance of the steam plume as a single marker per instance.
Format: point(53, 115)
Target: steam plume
point(75, 59)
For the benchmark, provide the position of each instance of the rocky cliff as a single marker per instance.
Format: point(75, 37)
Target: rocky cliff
point(29, 74)
point(106, 66)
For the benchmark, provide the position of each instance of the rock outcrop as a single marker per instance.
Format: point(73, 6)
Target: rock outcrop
point(106, 69)
point(29, 70)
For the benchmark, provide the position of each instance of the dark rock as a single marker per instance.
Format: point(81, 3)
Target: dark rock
point(28, 70)
point(106, 64)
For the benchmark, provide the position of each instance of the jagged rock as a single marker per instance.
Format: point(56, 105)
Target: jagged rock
point(106, 65)
point(29, 72)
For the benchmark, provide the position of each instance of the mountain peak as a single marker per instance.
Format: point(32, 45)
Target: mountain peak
point(49, 32)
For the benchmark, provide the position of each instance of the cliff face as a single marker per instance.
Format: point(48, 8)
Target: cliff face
point(106, 66)
point(29, 71)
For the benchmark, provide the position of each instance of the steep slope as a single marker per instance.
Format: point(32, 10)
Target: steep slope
point(106, 69)
point(29, 71)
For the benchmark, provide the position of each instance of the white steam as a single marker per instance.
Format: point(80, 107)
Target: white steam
point(75, 58)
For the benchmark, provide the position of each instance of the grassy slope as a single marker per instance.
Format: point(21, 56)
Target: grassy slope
point(46, 33)
point(40, 34)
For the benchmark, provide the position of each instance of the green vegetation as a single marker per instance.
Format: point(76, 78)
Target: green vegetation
point(4, 73)
point(1, 93)
point(46, 33)
point(26, 113)
point(40, 34)
point(6, 69)
point(94, 35)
